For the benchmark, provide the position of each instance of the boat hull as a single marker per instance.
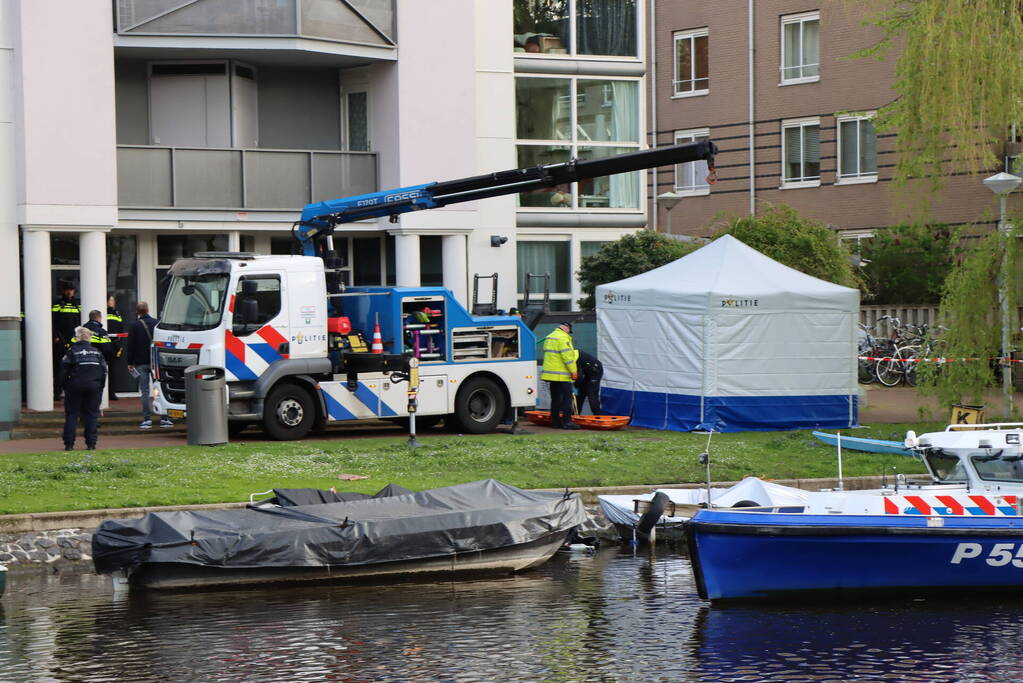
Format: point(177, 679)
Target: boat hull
point(751, 555)
point(179, 576)
point(855, 443)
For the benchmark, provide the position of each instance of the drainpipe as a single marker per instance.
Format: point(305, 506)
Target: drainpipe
point(653, 99)
point(752, 125)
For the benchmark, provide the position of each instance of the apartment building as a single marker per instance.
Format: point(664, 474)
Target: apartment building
point(773, 84)
point(137, 132)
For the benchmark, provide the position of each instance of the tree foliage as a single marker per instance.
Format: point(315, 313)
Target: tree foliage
point(909, 263)
point(971, 311)
point(631, 255)
point(959, 82)
point(807, 245)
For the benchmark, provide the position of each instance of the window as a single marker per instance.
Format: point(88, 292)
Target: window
point(357, 122)
point(691, 63)
point(260, 306)
point(546, 257)
point(801, 153)
point(691, 177)
point(575, 27)
point(800, 48)
point(857, 150)
point(586, 118)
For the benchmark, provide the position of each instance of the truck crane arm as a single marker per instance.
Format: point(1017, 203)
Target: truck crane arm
point(319, 219)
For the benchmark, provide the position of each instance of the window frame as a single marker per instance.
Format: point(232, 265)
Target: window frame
point(802, 182)
point(681, 137)
point(571, 52)
point(691, 35)
point(574, 143)
point(860, 178)
point(566, 296)
point(801, 19)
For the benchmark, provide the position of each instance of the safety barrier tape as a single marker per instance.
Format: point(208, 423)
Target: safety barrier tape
point(940, 360)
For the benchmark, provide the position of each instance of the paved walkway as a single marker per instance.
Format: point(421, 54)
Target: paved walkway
point(883, 405)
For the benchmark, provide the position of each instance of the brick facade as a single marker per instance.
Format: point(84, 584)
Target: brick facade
point(846, 85)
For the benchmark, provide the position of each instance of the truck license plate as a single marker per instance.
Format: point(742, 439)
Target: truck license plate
point(176, 413)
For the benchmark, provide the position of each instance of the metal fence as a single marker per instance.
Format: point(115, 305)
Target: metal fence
point(209, 178)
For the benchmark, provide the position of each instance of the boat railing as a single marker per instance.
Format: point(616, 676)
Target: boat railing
point(990, 425)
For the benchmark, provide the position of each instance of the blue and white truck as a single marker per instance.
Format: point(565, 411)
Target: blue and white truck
point(297, 344)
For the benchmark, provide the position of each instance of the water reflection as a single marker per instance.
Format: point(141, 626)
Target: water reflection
point(609, 617)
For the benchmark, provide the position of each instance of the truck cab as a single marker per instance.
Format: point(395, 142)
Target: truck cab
point(296, 357)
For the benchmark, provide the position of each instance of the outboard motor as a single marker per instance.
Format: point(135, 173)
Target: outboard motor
point(652, 515)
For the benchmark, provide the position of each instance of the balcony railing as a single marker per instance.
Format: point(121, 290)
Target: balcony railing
point(271, 179)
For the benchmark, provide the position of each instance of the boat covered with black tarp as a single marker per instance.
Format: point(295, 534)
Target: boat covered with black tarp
point(482, 526)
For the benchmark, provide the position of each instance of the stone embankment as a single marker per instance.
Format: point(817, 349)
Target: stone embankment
point(46, 547)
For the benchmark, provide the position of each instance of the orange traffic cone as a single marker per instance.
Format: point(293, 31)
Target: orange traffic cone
point(378, 341)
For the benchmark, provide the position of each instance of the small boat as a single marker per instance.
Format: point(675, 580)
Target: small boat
point(539, 417)
point(856, 443)
point(961, 531)
point(677, 506)
point(484, 526)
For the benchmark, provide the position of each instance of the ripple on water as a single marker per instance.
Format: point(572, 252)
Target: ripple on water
point(610, 617)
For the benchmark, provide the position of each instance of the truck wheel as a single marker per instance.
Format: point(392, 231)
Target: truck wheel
point(480, 405)
point(288, 413)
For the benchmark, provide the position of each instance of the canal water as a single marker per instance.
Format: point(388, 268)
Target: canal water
point(607, 617)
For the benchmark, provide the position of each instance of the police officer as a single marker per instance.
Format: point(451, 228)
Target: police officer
point(101, 337)
point(559, 371)
point(591, 370)
point(66, 315)
point(115, 326)
point(83, 376)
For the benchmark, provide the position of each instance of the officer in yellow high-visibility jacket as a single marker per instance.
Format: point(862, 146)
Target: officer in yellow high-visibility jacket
point(559, 371)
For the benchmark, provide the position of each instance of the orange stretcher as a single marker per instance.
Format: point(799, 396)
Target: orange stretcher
point(599, 422)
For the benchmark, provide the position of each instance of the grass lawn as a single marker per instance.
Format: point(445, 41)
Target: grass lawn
point(42, 482)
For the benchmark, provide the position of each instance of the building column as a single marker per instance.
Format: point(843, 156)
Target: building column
point(92, 254)
point(38, 321)
point(453, 253)
point(406, 260)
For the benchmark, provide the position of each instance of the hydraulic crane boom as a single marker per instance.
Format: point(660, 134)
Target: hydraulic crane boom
point(319, 219)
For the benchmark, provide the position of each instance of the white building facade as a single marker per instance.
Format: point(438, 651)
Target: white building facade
point(137, 132)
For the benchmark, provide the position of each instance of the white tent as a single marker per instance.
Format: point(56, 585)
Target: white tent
point(729, 339)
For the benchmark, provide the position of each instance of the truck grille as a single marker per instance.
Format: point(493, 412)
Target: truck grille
point(172, 366)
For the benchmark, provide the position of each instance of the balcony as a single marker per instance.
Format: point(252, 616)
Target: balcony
point(367, 22)
point(151, 177)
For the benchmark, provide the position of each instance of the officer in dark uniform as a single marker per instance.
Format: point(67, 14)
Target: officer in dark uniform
point(591, 371)
point(101, 337)
point(83, 377)
point(67, 315)
point(115, 326)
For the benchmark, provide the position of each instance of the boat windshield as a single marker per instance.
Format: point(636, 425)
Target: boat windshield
point(945, 466)
point(194, 302)
point(998, 465)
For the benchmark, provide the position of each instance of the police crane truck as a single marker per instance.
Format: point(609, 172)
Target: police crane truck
point(300, 348)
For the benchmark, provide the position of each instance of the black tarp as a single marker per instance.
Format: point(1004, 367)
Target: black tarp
point(293, 497)
point(482, 515)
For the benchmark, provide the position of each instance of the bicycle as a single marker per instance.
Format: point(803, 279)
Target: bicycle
point(899, 362)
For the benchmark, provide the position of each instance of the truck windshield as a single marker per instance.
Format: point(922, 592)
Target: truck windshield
point(194, 302)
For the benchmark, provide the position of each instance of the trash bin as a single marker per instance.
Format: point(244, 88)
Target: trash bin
point(206, 405)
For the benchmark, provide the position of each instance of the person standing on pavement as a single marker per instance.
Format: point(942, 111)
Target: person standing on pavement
point(559, 371)
point(83, 372)
point(101, 337)
point(140, 342)
point(67, 315)
point(591, 371)
point(115, 326)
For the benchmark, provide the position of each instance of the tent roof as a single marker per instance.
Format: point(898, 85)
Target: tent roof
point(727, 268)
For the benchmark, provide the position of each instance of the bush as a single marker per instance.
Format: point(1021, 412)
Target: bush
point(807, 245)
point(909, 263)
point(631, 255)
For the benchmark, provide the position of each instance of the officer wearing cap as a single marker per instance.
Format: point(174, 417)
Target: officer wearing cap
point(559, 371)
point(591, 371)
point(83, 374)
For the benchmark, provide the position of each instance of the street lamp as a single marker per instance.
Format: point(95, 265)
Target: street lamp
point(669, 200)
point(1002, 184)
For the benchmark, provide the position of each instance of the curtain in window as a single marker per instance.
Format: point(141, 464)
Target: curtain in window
point(606, 27)
point(624, 190)
point(848, 134)
point(544, 257)
point(811, 48)
point(811, 152)
point(868, 147)
point(793, 153)
point(691, 175)
point(790, 66)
